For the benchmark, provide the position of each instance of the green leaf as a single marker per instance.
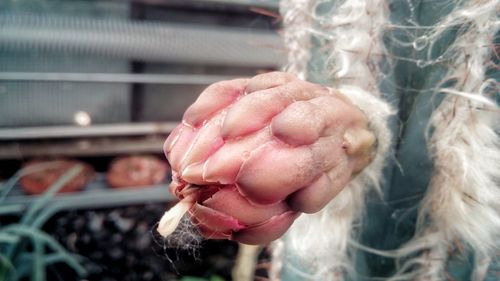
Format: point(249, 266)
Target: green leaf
point(37, 237)
point(216, 278)
point(7, 186)
point(5, 262)
point(38, 273)
point(40, 203)
point(11, 209)
point(45, 215)
point(23, 269)
point(6, 238)
point(35, 234)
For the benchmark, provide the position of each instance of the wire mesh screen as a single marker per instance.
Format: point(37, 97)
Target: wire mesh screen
point(99, 62)
point(29, 103)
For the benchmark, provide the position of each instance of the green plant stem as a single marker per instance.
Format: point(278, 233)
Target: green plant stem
point(12, 251)
point(45, 215)
point(35, 235)
point(38, 272)
point(5, 262)
point(9, 185)
point(51, 191)
point(48, 259)
point(11, 209)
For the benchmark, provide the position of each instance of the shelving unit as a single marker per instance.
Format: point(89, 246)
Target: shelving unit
point(97, 194)
point(130, 67)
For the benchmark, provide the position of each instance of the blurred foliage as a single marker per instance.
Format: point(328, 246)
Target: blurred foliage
point(25, 250)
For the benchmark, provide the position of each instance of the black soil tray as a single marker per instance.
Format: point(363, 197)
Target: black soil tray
point(120, 244)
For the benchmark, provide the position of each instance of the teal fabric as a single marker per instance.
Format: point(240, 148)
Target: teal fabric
point(390, 221)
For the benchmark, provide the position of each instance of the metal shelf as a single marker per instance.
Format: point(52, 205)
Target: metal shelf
point(74, 141)
point(126, 129)
point(97, 194)
point(82, 147)
point(169, 79)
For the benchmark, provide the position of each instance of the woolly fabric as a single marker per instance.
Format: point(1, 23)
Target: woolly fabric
point(461, 203)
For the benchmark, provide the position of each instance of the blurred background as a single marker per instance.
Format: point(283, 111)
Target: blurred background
point(89, 90)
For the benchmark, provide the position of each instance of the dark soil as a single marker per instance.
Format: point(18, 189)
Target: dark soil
point(119, 244)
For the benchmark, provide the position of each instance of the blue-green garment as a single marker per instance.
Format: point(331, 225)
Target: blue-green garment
point(389, 222)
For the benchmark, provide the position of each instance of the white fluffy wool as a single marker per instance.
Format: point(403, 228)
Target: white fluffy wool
point(297, 19)
point(320, 241)
point(463, 200)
